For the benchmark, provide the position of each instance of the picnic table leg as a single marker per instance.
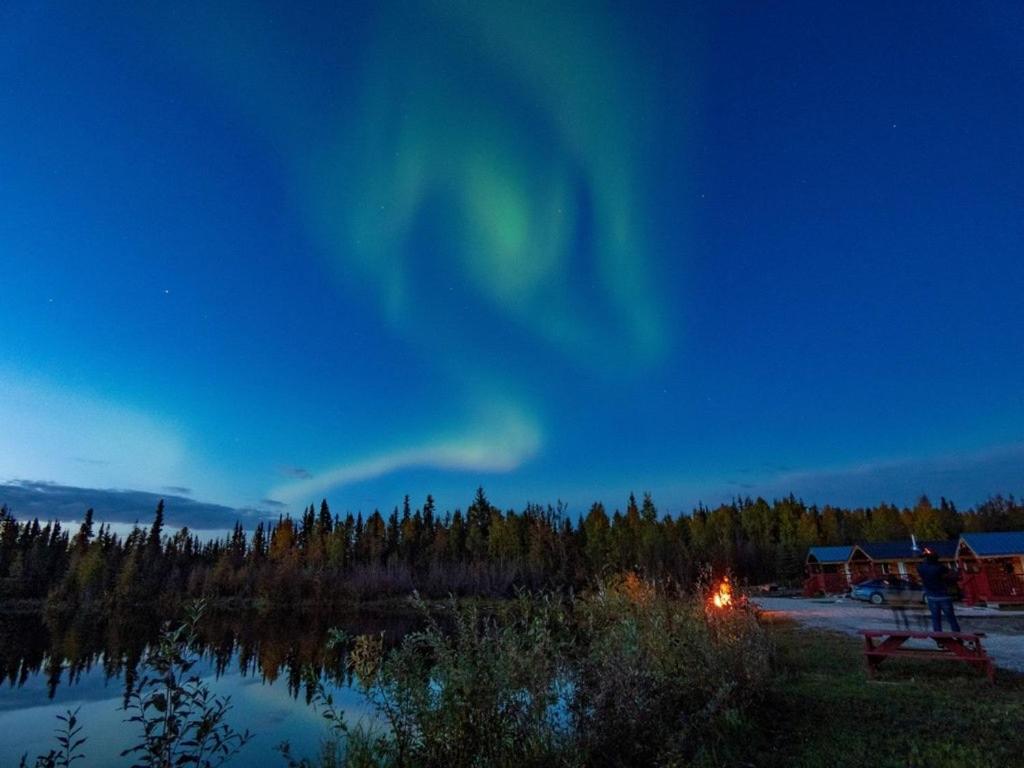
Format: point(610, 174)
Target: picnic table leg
point(889, 644)
point(990, 668)
point(973, 654)
point(869, 646)
point(876, 654)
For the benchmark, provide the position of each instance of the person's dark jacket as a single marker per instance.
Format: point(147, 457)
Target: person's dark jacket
point(935, 578)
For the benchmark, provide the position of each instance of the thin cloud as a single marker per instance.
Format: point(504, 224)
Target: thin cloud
point(738, 484)
point(968, 478)
point(273, 503)
point(50, 501)
point(501, 442)
point(180, 490)
point(299, 473)
point(103, 443)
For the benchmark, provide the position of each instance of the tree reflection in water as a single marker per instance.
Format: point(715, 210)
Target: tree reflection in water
point(265, 646)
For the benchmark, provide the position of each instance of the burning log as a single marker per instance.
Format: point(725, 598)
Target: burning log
point(722, 597)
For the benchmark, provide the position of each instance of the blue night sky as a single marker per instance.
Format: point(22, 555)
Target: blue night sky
point(256, 255)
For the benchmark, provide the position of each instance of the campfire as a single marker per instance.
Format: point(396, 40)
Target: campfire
point(722, 597)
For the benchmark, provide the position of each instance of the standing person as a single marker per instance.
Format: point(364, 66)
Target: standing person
point(936, 579)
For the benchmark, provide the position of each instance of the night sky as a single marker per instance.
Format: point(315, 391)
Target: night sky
point(257, 255)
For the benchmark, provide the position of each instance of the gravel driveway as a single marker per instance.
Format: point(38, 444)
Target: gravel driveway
point(1004, 630)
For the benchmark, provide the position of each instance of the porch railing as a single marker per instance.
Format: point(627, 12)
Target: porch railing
point(992, 586)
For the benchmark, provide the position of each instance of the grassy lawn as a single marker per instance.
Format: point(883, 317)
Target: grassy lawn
point(822, 711)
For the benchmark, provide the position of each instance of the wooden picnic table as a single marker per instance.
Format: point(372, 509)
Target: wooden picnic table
point(882, 644)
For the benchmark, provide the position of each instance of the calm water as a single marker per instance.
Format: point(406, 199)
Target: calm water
point(261, 661)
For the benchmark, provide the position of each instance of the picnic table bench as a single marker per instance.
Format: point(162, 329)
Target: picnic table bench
point(881, 644)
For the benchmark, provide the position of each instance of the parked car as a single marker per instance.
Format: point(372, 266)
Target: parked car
point(888, 590)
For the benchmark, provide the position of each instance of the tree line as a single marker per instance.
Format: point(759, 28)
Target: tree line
point(320, 557)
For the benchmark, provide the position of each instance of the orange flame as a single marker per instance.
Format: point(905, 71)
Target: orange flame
point(723, 597)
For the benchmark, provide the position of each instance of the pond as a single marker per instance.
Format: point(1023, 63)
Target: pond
point(265, 662)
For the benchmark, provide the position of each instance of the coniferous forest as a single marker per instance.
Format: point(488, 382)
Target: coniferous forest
point(322, 558)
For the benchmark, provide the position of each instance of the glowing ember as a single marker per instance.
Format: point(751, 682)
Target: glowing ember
point(722, 598)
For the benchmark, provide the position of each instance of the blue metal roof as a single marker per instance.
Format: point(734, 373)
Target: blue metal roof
point(995, 544)
point(829, 554)
point(903, 550)
point(885, 550)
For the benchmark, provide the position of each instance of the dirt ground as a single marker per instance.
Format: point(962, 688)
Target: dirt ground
point(1004, 630)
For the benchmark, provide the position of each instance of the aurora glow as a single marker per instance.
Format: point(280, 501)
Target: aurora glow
point(511, 125)
point(563, 250)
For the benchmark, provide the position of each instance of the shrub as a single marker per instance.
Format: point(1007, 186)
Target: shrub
point(183, 722)
point(661, 680)
point(627, 676)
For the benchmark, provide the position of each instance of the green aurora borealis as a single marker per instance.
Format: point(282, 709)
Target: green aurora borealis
point(477, 175)
point(560, 249)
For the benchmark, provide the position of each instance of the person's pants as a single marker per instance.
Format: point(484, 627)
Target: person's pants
point(939, 606)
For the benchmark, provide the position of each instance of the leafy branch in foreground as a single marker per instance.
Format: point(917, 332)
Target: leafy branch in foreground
point(183, 722)
point(69, 741)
